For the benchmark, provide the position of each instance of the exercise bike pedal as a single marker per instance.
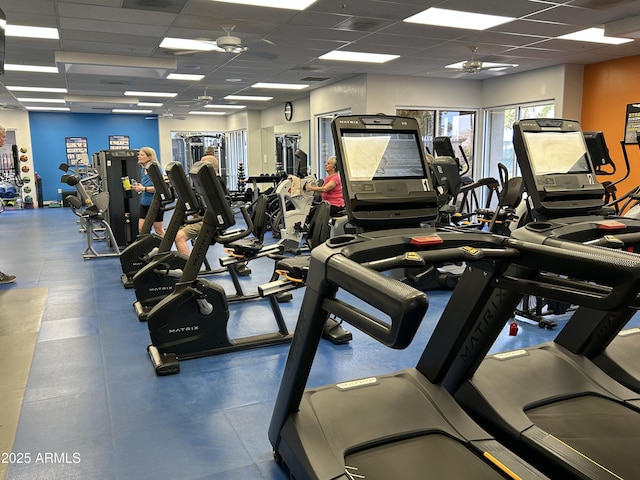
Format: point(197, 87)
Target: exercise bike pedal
point(334, 332)
point(283, 297)
point(163, 363)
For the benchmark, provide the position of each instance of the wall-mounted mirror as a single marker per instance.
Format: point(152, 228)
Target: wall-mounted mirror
point(280, 144)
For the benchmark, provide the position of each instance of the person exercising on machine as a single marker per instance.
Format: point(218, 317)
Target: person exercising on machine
point(331, 189)
point(191, 230)
point(147, 155)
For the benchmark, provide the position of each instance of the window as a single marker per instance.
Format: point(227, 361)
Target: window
point(326, 147)
point(498, 144)
point(458, 125)
point(236, 155)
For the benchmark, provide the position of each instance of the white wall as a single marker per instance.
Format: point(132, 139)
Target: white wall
point(349, 94)
point(561, 83)
point(19, 121)
point(386, 93)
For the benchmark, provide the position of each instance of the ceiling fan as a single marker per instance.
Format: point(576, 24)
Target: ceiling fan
point(473, 65)
point(230, 43)
point(227, 43)
point(5, 106)
point(166, 115)
point(198, 101)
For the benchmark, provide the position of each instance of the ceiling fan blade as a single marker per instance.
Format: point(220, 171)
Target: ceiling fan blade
point(187, 52)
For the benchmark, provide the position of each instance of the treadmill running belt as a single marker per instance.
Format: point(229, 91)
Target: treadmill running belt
point(585, 423)
point(430, 456)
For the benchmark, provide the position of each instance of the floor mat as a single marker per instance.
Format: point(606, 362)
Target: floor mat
point(21, 311)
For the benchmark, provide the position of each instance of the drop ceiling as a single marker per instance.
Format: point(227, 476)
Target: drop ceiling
point(284, 45)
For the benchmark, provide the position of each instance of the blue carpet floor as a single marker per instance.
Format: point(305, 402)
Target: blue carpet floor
point(93, 407)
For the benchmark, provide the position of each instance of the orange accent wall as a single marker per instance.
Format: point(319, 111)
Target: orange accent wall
point(607, 89)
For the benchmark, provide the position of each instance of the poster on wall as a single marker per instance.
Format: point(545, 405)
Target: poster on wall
point(77, 150)
point(118, 142)
point(6, 155)
point(632, 123)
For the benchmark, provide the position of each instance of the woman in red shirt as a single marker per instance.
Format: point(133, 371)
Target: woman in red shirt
point(331, 189)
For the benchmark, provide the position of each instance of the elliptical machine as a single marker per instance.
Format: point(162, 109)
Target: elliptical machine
point(136, 255)
point(191, 322)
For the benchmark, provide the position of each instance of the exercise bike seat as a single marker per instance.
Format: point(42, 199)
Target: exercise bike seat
point(249, 247)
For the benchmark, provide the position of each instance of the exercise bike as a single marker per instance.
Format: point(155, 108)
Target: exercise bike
point(138, 254)
point(158, 278)
point(191, 321)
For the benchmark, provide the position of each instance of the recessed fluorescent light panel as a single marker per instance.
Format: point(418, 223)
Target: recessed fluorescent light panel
point(31, 32)
point(185, 76)
point(50, 109)
point(149, 104)
point(595, 35)
point(37, 89)
point(42, 100)
point(228, 107)
point(127, 110)
point(441, 17)
point(279, 86)
point(30, 68)
point(247, 97)
point(345, 56)
point(206, 113)
point(187, 44)
point(129, 93)
point(288, 4)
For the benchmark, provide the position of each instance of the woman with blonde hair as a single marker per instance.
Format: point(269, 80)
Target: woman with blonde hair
point(145, 187)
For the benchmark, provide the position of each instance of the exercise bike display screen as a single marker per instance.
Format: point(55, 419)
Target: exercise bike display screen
point(553, 153)
point(376, 155)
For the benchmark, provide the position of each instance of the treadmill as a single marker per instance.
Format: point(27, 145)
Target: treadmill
point(398, 425)
point(595, 334)
point(553, 406)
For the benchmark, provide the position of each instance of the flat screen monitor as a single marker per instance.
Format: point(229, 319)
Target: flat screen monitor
point(632, 124)
point(385, 176)
point(557, 171)
point(598, 151)
point(301, 169)
point(443, 148)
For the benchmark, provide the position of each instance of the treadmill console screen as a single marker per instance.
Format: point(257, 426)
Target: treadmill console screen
point(556, 168)
point(378, 155)
point(557, 152)
point(385, 175)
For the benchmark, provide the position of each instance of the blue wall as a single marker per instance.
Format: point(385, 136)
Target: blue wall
point(49, 130)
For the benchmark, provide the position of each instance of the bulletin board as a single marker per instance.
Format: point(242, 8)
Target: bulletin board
point(118, 142)
point(77, 150)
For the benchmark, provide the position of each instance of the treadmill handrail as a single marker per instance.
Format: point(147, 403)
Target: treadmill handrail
point(404, 305)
